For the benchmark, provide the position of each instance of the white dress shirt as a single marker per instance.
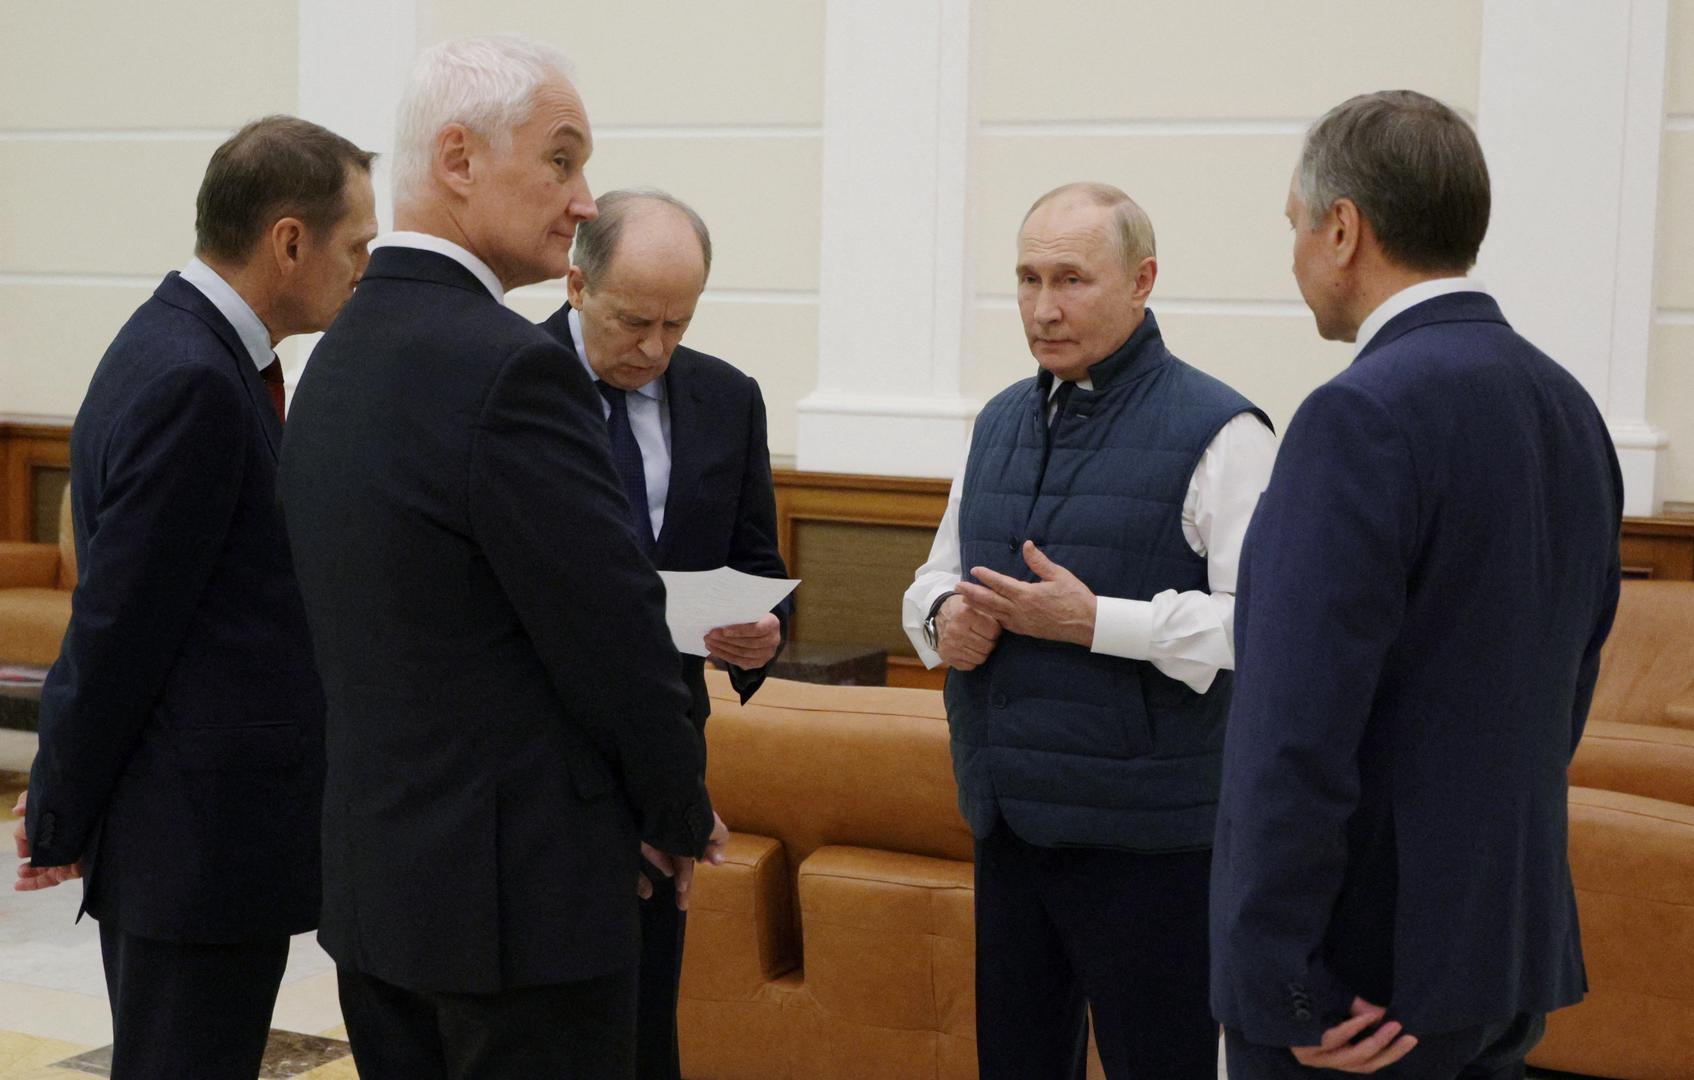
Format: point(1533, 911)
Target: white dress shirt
point(430, 242)
point(1189, 636)
point(649, 419)
point(1406, 299)
point(248, 326)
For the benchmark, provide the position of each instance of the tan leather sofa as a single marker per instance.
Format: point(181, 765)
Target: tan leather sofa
point(35, 595)
point(836, 941)
point(1632, 850)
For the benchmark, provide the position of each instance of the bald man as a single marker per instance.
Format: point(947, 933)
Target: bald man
point(1081, 587)
point(688, 437)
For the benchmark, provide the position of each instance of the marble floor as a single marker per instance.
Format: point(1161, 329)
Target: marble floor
point(54, 1021)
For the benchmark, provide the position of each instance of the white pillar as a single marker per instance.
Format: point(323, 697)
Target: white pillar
point(1571, 118)
point(353, 63)
point(894, 300)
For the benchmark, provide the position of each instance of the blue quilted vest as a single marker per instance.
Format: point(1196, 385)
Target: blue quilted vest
point(1072, 748)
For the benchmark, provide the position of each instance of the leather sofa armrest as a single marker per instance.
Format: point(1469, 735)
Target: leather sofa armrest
point(1632, 861)
point(1636, 759)
point(1680, 712)
point(740, 922)
point(29, 566)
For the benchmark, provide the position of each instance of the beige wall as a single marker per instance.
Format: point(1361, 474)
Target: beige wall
point(732, 128)
point(1202, 127)
point(1671, 397)
point(108, 112)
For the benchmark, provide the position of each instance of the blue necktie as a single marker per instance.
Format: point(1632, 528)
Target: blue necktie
point(626, 456)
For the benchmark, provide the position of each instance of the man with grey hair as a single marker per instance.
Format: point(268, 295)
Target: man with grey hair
point(1081, 587)
point(1425, 590)
point(687, 433)
point(505, 719)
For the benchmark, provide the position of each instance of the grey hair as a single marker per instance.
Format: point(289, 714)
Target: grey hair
point(1412, 166)
point(486, 83)
point(1135, 228)
point(597, 240)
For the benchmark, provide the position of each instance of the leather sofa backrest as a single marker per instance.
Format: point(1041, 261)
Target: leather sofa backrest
point(813, 767)
point(1648, 662)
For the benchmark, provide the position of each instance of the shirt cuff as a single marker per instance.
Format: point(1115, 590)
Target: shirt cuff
point(1123, 628)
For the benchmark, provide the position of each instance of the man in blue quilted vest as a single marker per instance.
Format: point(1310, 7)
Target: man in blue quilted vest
point(1081, 589)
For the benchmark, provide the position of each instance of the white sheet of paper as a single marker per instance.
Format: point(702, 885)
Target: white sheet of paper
point(697, 601)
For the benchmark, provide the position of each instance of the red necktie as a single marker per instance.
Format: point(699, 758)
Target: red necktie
point(273, 382)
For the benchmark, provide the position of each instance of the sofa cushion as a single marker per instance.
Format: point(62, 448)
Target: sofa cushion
point(889, 938)
point(32, 624)
point(1637, 759)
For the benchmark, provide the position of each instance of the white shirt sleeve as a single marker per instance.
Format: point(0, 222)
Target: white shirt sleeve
point(943, 570)
point(1191, 635)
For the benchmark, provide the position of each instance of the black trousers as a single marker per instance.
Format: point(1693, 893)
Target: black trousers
point(184, 1009)
point(1066, 932)
point(662, 930)
point(570, 1031)
point(1489, 1052)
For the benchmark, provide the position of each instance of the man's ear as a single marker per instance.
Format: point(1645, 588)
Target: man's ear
point(576, 283)
point(1345, 229)
point(1146, 273)
point(454, 149)
point(287, 242)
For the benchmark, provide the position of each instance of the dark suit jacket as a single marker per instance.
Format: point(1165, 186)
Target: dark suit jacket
point(720, 509)
point(505, 718)
point(182, 726)
point(1424, 592)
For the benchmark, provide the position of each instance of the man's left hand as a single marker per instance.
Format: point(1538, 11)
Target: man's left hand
point(1058, 607)
point(748, 646)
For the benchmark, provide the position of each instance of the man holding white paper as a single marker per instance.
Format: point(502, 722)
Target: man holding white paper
point(688, 439)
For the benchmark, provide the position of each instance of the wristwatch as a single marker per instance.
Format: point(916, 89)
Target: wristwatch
point(930, 637)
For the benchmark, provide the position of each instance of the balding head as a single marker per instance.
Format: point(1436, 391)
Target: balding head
point(653, 216)
point(1135, 228)
point(636, 277)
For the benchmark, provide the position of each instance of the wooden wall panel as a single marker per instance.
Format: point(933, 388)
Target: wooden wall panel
point(34, 467)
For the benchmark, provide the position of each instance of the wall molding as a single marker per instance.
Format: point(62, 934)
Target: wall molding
point(1142, 128)
point(708, 131)
point(115, 134)
point(1168, 305)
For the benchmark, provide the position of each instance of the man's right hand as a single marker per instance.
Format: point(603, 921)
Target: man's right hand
point(964, 636)
point(680, 868)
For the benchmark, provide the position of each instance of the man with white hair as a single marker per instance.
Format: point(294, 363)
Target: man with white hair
point(506, 723)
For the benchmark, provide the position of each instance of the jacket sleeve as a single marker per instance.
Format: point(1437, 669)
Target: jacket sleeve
point(1588, 674)
point(548, 514)
point(171, 475)
point(754, 550)
point(1325, 593)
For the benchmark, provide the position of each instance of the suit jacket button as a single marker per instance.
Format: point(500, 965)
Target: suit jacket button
point(1302, 1013)
point(998, 700)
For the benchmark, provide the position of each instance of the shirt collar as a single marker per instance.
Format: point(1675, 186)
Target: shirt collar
point(1084, 383)
point(442, 246)
point(1406, 299)
point(248, 326)
point(654, 389)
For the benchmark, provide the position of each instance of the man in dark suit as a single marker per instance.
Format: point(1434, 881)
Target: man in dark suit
point(688, 437)
point(505, 717)
point(181, 756)
point(1425, 590)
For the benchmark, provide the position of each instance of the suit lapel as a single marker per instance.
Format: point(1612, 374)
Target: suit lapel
point(683, 399)
point(180, 294)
